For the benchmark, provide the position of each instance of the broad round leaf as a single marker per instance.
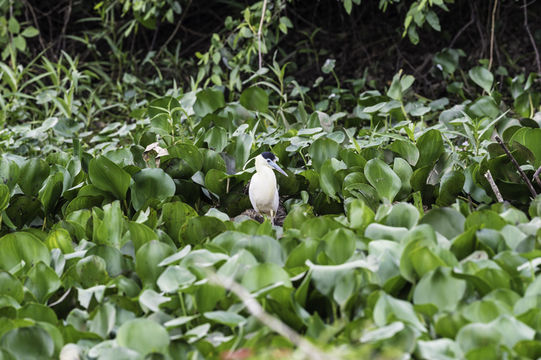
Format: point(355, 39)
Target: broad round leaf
point(173, 277)
point(11, 286)
point(42, 281)
point(440, 288)
point(32, 175)
point(264, 275)
point(151, 184)
point(255, 98)
point(147, 259)
point(430, 146)
point(50, 193)
point(183, 161)
point(29, 343)
point(208, 101)
point(199, 228)
point(108, 176)
point(143, 335)
point(321, 150)
point(482, 77)
point(383, 179)
point(228, 318)
point(22, 246)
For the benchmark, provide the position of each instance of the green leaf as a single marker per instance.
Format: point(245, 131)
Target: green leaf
point(198, 229)
point(164, 114)
point(183, 161)
point(402, 215)
point(329, 182)
point(228, 318)
point(446, 221)
point(388, 309)
point(175, 215)
point(321, 150)
point(22, 246)
point(482, 77)
point(4, 197)
point(451, 185)
point(216, 138)
point(108, 225)
point(173, 277)
point(324, 276)
point(9, 172)
point(32, 175)
point(59, 239)
point(255, 99)
point(430, 146)
point(359, 214)
point(151, 185)
point(147, 259)
point(440, 288)
point(144, 336)
point(50, 193)
point(339, 245)
point(23, 210)
point(42, 281)
point(13, 25)
point(263, 275)
point(530, 138)
point(438, 349)
point(91, 271)
point(29, 343)
point(10, 286)
point(108, 176)
point(383, 179)
point(407, 150)
point(216, 181)
point(30, 32)
point(207, 101)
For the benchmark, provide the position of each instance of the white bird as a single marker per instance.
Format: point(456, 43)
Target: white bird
point(263, 190)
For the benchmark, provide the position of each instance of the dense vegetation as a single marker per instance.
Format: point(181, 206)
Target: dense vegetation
point(410, 132)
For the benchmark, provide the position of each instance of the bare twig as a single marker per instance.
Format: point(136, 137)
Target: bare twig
point(62, 37)
point(517, 166)
point(532, 40)
point(259, 33)
point(311, 351)
point(462, 29)
point(179, 24)
point(536, 176)
point(492, 33)
point(495, 189)
point(36, 23)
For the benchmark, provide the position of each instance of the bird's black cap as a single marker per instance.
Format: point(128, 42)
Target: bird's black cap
point(268, 155)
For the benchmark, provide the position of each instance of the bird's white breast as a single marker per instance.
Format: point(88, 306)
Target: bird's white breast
point(263, 191)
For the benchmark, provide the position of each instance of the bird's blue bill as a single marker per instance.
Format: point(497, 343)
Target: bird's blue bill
point(274, 165)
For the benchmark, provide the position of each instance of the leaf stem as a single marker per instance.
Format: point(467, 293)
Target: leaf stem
point(517, 166)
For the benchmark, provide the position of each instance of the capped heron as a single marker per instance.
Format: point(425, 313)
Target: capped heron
point(263, 190)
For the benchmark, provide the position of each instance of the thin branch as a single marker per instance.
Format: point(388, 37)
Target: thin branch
point(62, 37)
point(536, 176)
point(259, 33)
point(462, 29)
point(517, 166)
point(36, 23)
point(532, 40)
point(179, 24)
point(492, 34)
point(494, 187)
point(311, 351)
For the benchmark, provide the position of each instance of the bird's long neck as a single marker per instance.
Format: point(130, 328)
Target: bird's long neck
point(262, 168)
point(261, 164)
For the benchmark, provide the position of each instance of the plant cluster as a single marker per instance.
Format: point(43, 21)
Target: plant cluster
point(413, 225)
